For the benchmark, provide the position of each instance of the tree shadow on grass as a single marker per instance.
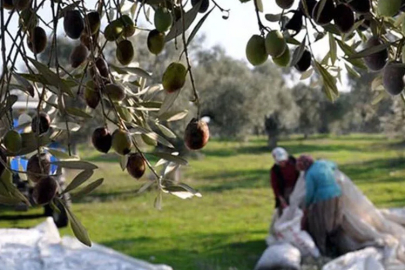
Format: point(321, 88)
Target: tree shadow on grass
point(218, 252)
point(394, 202)
point(108, 196)
point(367, 171)
point(343, 138)
point(292, 149)
point(225, 181)
point(20, 217)
point(361, 172)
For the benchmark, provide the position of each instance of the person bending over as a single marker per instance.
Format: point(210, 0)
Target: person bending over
point(323, 201)
point(283, 177)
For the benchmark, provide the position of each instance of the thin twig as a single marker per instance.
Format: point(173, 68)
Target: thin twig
point(137, 14)
point(220, 8)
point(259, 21)
point(196, 99)
point(3, 47)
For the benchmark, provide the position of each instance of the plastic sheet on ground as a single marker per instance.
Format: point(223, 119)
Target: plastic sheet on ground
point(42, 248)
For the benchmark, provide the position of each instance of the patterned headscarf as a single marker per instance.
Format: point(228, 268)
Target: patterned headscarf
point(304, 162)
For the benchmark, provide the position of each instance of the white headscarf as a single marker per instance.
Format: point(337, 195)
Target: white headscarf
point(279, 154)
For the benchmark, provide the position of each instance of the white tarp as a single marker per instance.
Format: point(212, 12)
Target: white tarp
point(42, 248)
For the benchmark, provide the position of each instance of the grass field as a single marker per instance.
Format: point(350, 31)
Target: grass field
point(226, 228)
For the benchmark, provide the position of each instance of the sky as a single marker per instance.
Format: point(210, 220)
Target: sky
point(232, 34)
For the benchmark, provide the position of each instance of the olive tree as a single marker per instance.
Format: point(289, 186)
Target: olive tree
point(362, 34)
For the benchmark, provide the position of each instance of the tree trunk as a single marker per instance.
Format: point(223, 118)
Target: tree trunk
point(272, 141)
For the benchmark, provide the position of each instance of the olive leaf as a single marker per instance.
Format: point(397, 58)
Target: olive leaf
point(352, 72)
point(10, 188)
point(51, 77)
point(166, 131)
point(78, 180)
point(332, 29)
point(145, 187)
point(150, 90)
point(345, 48)
point(89, 188)
point(168, 101)
point(325, 59)
point(26, 86)
point(329, 82)
point(11, 99)
point(359, 63)
point(370, 51)
point(170, 157)
point(66, 126)
point(198, 26)
point(132, 70)
point(158, 201)
point(173, 116)
point(123, 162)
point(333, 49)
point(319, 36)
point(151, 135)
point(150, 104)
point(181, 191)
point(177, 28)
point(376, 82)
point(60, 154)
point(305, 6)
point(307, 74)
point(77, 112)
point(355, 26)
point(133, 9)
point(259, 5)
point(54, 207)
point(297, 55)
point(78, 229)
point(378, 98)
point(30, 142)
point(78, 165)
point(148, 140)
point(293, 41)
point(320, 9)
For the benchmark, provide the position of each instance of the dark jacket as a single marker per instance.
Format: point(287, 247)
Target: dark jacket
point(283, 180)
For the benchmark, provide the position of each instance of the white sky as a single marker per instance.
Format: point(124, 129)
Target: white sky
point(232, 34)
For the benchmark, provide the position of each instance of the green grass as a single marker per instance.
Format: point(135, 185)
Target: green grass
point(227, 226)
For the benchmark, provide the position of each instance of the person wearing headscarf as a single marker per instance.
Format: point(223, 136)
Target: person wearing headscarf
point(283, 177)
point(323, 202)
